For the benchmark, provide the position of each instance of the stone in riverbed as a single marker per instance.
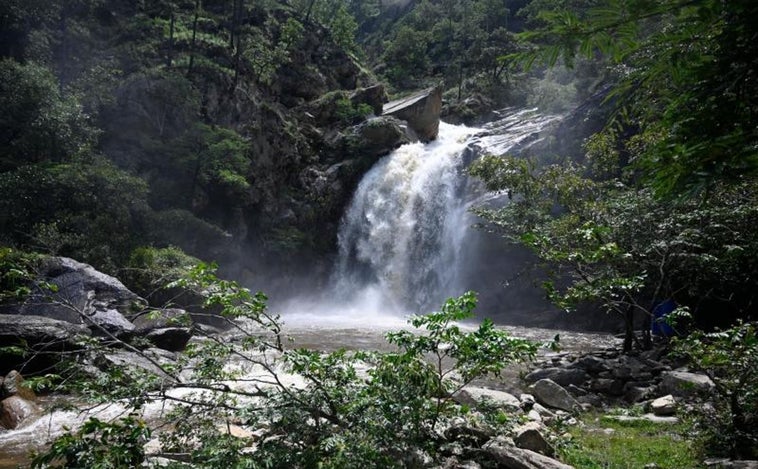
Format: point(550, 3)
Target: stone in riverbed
point(562, 376)
point(13, 385)
point(529, 436)
point(510, 457)
point(665, 405)
point(473, 396)
point(551, 394)
point(14, 410)
point(43, 339)
point(684, 383)
point(421, 111)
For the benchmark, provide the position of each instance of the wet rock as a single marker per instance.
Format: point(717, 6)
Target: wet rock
point(665, 405)
point(634, 393)
point(473, 396)
point(81, 291)
point(512, 457)
point(14, 410)
point(562, 376)
point(137, 362)
point(421, 111)
point(551, 394)
point(170, 338)
point(13, 385)
point(609, 386)
point(529, 436)
point(684, 383)
point(375, 137)
point(109, 322)
point(590, 363)
point(43, 338)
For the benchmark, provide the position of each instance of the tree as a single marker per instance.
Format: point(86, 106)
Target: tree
point(38, 124)
point(610, 242)
point(684, 82)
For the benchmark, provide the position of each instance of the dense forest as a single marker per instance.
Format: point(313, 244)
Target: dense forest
point(151, 139)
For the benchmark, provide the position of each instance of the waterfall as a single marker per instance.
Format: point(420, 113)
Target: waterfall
point(401, 235)
point(405, 241)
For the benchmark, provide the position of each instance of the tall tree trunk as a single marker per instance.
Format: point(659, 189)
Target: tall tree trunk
point(194, 37)
point(310, 9)
point(63, 54)
point(628, 328)
point(236, 34)
point(170, 56)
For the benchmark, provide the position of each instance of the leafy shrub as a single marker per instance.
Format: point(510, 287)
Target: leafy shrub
point(730, 358)
point(98, 445)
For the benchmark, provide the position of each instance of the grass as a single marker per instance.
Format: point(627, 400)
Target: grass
point(632, 445)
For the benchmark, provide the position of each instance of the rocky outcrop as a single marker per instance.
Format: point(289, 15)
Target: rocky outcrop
point(421, 111)
point(377, 137)
point(76, 293)
point(664, 406)
point(529, 436)
point(43, 339)
point(14, 410)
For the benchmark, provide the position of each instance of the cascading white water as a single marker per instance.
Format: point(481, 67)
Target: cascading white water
point(401, 236)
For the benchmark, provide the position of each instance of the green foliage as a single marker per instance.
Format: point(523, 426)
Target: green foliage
point(350, 113)
point(98, 445)
point(92, 206)
point(38, 123)
point(682, 77)
point(149, 269)
point(730, 358)
point(16, 274)
point(607, 241)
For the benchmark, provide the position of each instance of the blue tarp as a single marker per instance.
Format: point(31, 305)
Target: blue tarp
point(659, 326)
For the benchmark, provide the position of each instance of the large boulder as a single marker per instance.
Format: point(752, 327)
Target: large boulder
point(510, 457)
point(43, 339)
point(475, 396)
point(81, 295)
point(420, 110)
point(14, 410)
point(374, 138)
point(549, 393)
point(13, 385)
point(529, 436)
point(684, 384)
